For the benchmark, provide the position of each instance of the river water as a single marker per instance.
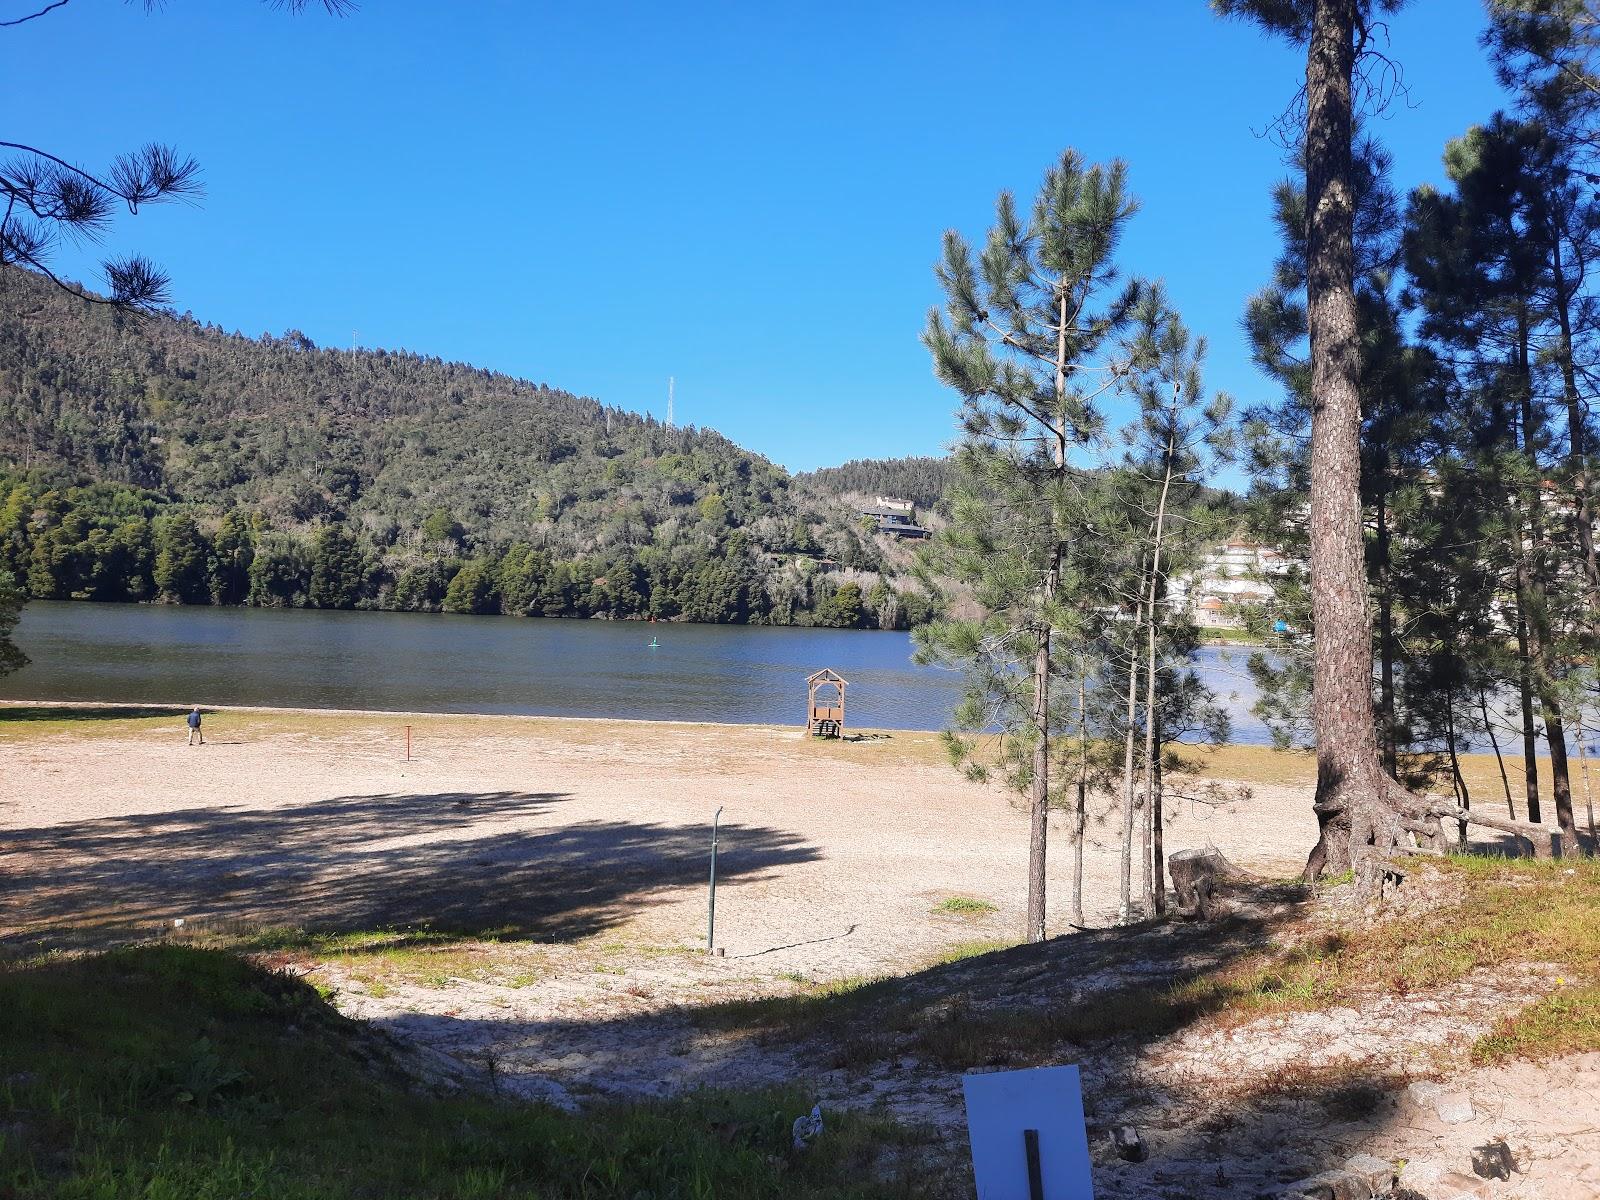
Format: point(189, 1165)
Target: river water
point(427, 662)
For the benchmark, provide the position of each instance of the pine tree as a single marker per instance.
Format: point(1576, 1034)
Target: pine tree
point(1178, 426)
point(11, 600)
point(46, 198)
point(1362, 811)
point(1486, 265)
point(1026, 339)
point(1548, 52)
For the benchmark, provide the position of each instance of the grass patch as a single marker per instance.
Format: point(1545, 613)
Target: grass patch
point(1251, 764)
point(970, 949)
point(965, 906)
point(1220, 633)
point(1567, 1022)
point(178, 1071)
point(1511, 911)
point(379, 959)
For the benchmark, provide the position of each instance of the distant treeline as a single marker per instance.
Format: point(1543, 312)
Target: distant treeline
point(110, 542)
point(925, 480)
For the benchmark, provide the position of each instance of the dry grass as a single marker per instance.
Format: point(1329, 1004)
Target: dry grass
point(380, 959)
point(1510, 912)
point(1507, 912)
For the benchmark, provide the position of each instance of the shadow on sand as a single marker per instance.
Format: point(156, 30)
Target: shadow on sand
point(451, 861)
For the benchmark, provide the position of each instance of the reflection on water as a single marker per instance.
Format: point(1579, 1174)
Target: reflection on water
point(433, 663)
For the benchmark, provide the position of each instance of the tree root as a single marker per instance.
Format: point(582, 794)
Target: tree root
point(1539, 839)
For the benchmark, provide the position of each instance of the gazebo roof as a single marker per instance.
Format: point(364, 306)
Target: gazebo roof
point(826, 675)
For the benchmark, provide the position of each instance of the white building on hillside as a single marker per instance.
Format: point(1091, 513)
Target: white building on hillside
point(1230, 578)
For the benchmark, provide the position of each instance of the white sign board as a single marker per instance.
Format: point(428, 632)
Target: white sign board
point(1027, 1133)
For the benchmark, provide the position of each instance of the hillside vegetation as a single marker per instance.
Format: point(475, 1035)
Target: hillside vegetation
point(924, 480)
point(164, 458)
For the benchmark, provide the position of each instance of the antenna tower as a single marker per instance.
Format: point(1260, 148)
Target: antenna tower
point(670, 382)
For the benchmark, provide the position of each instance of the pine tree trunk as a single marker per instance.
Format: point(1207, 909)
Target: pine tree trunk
point(1039, 785)
point(1588, 794)
point(1534, 575)
point(1457, 781)
point(1154, 871)
point(1158, 853)
point(1125, 911)
point(1353, 800)
point(1039, 789)
point(1388, 724)
point(1530, 731)
point(1488, 727)
point(1081, 817)
point(1146, 847)
point(1560, 772)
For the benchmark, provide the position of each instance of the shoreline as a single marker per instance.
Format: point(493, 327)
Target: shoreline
point(1245, 763)
point(672, 622)
point(138, 708)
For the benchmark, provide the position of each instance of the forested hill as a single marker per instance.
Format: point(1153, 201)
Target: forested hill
point(159, 457)
point(925, 480)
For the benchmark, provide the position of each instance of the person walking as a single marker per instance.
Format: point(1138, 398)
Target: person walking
point(194, 727)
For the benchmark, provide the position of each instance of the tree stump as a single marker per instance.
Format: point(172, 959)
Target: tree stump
point(1197, 875)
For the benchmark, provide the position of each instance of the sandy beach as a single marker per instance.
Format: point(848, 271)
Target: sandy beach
point(524, 902)
point(834, 856)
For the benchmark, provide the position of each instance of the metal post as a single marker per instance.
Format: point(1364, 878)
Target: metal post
point(711, 902)
point(1030, 1147)
point(1583, 765)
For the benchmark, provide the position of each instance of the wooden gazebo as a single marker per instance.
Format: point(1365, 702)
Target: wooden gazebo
point(825, 703)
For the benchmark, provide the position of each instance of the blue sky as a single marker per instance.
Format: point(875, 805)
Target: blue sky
point(746, 196)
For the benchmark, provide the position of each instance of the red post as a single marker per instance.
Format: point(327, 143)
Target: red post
point(408, 743)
